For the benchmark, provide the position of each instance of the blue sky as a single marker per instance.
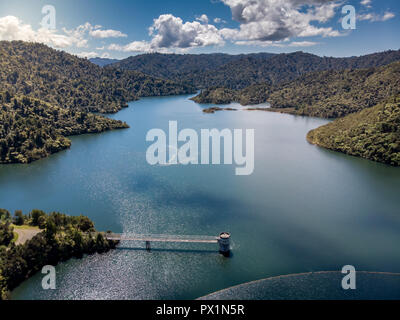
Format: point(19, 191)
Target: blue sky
point(120, 28)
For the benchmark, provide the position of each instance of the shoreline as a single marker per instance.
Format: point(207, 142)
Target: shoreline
point(267, 287)
point(58, 239)
point(7, 294)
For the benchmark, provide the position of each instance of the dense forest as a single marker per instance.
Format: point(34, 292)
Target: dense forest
point(220, 96)
point(181, 67)
point(31, 129)
point(66, 81)
point(45, 94)
point(63, 237)
point(373, 133)
point(327, 94)
point(371, 125)
point(241, 71)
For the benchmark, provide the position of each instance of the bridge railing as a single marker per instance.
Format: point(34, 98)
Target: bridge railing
point(223, 240)
point(159, 236)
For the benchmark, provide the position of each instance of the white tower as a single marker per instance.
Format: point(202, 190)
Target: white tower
point(224, 243)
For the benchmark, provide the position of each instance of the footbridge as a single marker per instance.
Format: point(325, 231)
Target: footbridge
point(223, 240)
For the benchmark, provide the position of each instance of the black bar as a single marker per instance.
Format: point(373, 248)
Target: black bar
point(202, 309)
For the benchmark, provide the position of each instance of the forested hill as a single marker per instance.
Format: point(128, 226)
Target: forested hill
point(182, 67)
point(102, 62)
point(373, 133)
point(238, 72)
point(64, 80)
point(31, 129)
point(328, 94)
point(285, 67)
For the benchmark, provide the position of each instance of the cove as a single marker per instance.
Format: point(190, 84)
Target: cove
point(303, 209)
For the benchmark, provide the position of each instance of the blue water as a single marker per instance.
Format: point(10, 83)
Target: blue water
point(304, 208)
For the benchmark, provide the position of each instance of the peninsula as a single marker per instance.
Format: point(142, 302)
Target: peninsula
point(61, 238)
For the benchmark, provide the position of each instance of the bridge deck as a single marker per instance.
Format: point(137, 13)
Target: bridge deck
point(169, 239)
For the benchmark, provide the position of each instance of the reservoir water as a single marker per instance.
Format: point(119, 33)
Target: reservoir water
point(304, 209)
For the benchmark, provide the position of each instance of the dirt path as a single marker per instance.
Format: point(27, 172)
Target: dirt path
point(25, 234)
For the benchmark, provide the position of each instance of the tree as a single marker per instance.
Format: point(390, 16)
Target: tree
point(4, 214)
point(19, 219)
point(6, 234)
point(85, 224)
point(42, 222)
point(35, 215)
point(57, 243)
point(7, 97)
point(51, 229)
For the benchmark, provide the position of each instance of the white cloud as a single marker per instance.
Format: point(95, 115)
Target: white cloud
point(302, 44)
point(79, 33)
point(95, 32)
point(169, 31)
point(261, 22)
point(279, 44)
point(373, 17)
point(92, 54)
point(12, 28)
point(366, 3)
point(102, 34)
point(88, 55)
point(275, 20)
point(388, 16)
point(219, 20)
point(135, 46)
point(203, 18)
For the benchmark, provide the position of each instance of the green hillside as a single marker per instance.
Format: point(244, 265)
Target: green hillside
point(373, 134)
point(181, 67)
point(240, 71)
point(64, 80)
point(334, 94)
point(328, 94)
point(31, 129)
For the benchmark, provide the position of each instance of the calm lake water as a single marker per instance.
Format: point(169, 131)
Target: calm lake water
point(304, 208)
